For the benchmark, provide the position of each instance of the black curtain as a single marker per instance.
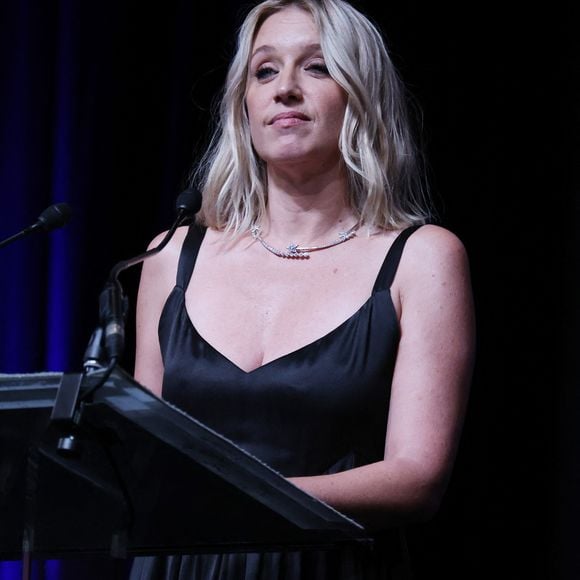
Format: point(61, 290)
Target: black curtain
point(106, 105)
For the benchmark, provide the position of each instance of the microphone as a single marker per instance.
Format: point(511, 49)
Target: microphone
point(54, 216)
point(112, 304)
point(108, 340)
point(188, 201)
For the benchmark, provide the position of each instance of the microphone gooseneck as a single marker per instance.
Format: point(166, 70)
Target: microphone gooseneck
point(107, 342)
point(113, 304)
point(188, 203)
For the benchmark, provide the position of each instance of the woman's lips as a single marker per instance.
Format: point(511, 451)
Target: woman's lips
point(289, 119)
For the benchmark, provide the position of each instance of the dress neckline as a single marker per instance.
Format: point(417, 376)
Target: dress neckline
point(365, 307)
point(383, 281)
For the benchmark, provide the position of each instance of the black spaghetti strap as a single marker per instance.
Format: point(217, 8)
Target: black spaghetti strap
point(188, 255)
point(391, 263)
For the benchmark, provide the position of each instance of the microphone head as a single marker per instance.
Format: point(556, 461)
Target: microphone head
point(189, 201)
point(55, 216)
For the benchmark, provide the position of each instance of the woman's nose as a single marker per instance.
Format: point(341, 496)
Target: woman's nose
point(288, 87)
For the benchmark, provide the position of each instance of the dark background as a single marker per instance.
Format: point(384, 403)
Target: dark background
point(105, 105)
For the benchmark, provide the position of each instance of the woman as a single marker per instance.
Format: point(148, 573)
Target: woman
point(314, 302)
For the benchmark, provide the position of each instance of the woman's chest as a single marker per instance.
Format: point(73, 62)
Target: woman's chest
point(257, 312)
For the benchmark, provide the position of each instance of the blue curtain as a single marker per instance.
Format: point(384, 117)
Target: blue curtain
point(102, 108)
point(98, 109)
point(104, 105)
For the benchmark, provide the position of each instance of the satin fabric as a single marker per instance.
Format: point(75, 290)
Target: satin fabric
point(320, 409)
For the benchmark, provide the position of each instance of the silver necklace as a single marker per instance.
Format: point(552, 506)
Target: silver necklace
point(303, 252)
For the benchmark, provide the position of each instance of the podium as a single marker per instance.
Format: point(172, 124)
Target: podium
point(146, 479)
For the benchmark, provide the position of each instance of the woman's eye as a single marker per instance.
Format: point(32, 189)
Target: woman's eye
point(318, 67)
point(264, 72)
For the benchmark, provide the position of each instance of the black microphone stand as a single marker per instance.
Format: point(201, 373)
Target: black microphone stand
point(102, 354)
point(107, 342)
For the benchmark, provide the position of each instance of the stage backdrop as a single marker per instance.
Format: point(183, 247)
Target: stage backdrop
point(106, 106)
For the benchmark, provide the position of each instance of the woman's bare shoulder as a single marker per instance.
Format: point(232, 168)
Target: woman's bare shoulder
point(432, 245)
point(436, 238)
point(163, 265)
point(169, 255)
point(174, 243)
point(432, 254)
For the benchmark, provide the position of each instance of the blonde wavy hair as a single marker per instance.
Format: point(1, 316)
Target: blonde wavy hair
point(387, 188)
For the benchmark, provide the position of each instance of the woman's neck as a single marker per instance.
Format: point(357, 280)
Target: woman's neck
point(307, 210)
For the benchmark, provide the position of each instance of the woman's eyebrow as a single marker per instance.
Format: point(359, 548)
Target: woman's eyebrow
point(267, 48)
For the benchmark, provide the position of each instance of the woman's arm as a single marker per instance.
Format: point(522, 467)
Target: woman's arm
point(432, 293)
point(157, 281)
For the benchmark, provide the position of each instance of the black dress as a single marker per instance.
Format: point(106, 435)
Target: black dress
point(320, 409)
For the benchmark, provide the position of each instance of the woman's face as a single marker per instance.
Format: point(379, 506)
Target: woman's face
point(294, 106)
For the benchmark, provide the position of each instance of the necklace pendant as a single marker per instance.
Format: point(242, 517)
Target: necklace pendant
point(293, 250)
